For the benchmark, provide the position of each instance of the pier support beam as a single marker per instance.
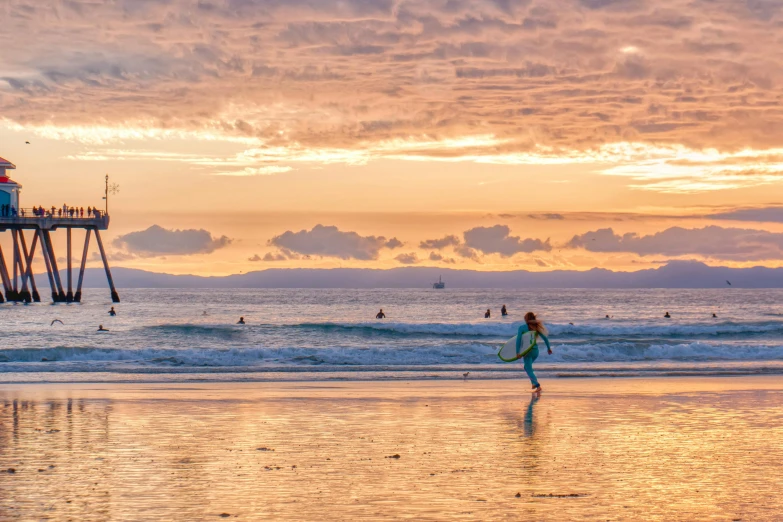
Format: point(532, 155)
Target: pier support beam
point(55, 270)
point(45, 253)
point(69, 274)
point(78, 296)
point(115, 297)
point(4, 274)
point(16, 263)
point(24, 293)
point(28, 256)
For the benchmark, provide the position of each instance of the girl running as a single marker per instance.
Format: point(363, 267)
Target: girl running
point(532, 324)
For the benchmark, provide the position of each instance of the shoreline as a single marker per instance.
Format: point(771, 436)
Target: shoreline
point(582, 385)
point(445, 375)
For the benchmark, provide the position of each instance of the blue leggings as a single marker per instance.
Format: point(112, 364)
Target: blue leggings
point(528, 360)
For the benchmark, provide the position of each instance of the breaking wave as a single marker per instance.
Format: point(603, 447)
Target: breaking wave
point(397, 356)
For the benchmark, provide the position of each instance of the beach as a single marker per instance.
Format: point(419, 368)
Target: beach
point(672, 448)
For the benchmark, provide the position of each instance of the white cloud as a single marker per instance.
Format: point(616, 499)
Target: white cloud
point(497, 82)
point(408, 259)
point(440, 244)
point(735, 244)
point(434, 256)
point(760, 215)
point(329, 241)
point(158, 241)
point(268, 170)
point(498, 240)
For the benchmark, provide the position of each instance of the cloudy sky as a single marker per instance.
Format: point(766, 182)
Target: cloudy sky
point(484, 134)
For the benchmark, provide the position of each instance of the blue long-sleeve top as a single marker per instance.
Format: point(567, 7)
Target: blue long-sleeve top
point(523, 329)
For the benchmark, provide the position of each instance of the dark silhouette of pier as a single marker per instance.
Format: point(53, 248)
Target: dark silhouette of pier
point(31, 232)
point(19, 282)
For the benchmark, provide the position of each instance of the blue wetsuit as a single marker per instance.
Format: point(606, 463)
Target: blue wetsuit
point(532, 355)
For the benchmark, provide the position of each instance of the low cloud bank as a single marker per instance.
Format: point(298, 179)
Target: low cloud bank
point(158, 241)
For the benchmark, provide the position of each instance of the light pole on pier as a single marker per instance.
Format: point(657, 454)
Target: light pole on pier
point(110, 189)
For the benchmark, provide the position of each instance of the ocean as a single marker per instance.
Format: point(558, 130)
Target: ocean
point(162, 335)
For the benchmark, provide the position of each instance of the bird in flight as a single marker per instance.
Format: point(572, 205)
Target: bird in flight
point(465, 376)
point(27, 143)
point(56, 321)
point(728, 282)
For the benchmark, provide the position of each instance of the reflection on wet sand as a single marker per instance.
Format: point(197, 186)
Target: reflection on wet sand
point(682, 449)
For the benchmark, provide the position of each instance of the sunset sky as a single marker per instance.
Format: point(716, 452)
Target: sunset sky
point(489, 135)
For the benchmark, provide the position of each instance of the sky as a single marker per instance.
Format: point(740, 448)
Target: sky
point(477, 134)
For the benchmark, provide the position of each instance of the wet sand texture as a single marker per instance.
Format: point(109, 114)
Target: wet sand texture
point(622, 449)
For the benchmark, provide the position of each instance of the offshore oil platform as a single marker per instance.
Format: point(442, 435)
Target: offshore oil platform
point(41, 223)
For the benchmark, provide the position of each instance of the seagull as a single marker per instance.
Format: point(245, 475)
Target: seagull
point(27, 143)
point(728, 282)
point(465, 376)
point(56, 321)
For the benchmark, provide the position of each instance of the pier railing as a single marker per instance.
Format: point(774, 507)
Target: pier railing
point(27, 218)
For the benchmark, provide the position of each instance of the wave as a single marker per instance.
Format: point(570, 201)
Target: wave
point(398, 356)
point(402, 329)
point(494, 330)
point(255, 356)
point(190, 329)
point(694, 351)
point(505, 330)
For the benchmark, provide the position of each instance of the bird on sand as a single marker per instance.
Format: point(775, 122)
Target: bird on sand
point(56, 321)
point(465, 376)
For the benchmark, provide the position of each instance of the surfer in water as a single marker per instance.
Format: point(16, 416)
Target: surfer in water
point(380, 315)
point(241, 320)
point(503, 311)
point(101, 328)
point(532, 324)
point(487, 314)
point(667, 316)
point(112, 312)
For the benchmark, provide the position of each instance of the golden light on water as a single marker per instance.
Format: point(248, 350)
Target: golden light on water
point(652, 449)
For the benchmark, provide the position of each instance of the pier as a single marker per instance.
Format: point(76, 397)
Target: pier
point(31, 231)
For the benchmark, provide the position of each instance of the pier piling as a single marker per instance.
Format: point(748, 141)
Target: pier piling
point(28, 256)
point(115, 297)
point(78, 296)
point(69, 273)
point(4, 275)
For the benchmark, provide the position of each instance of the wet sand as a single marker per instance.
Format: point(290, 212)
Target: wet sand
point(610, 449)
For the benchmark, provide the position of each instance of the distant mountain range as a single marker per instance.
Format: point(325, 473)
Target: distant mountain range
point(675, 274)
